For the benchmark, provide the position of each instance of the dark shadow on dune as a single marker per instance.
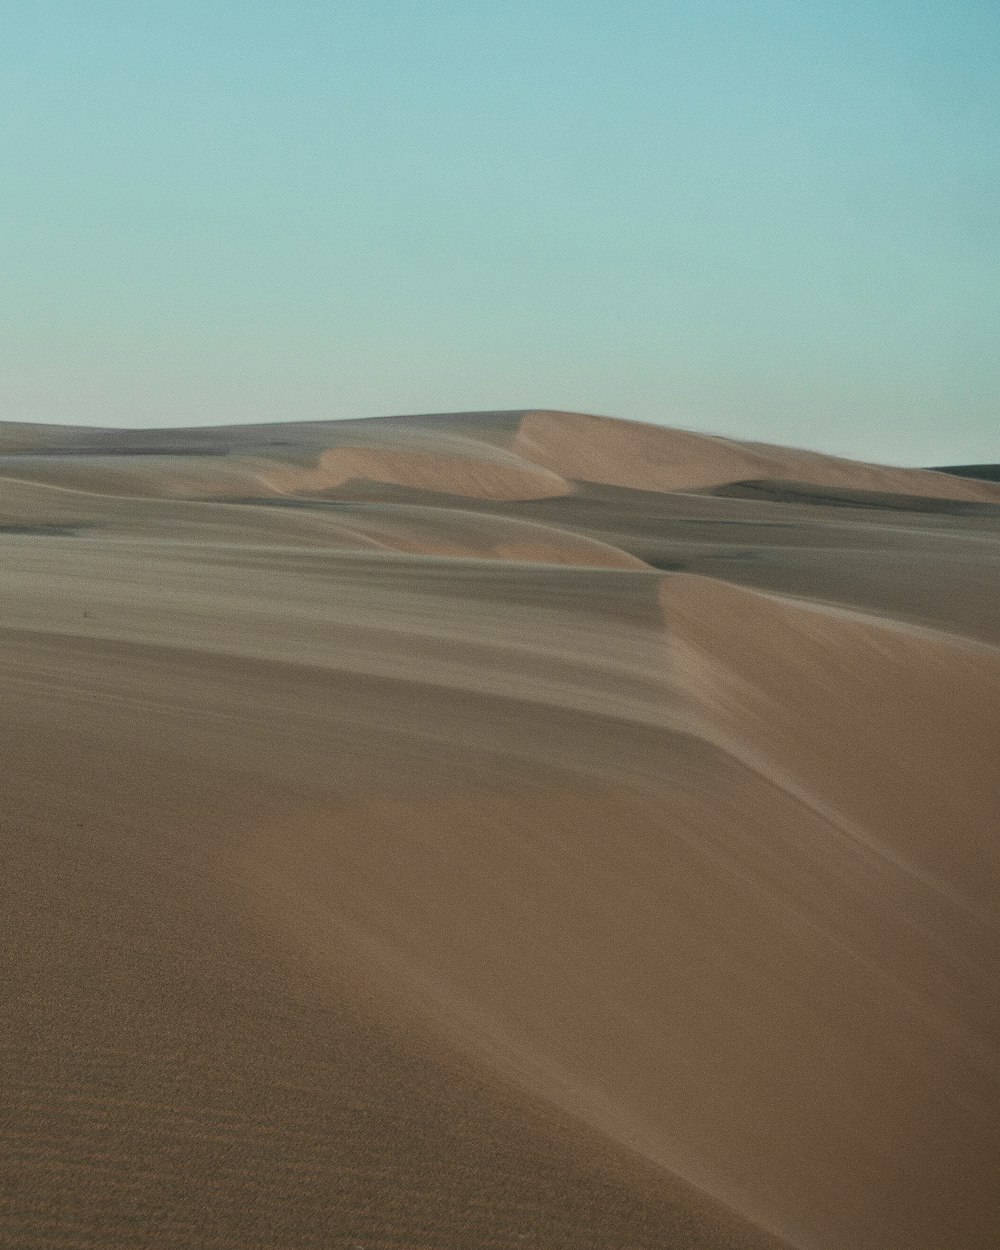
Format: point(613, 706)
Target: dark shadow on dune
point(775, 491)
point(981, 472)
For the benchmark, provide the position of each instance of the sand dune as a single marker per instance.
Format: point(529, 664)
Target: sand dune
point(241, 477)
point(48, 510)
point(475, 830)
point(646, 457)
point(498, 456)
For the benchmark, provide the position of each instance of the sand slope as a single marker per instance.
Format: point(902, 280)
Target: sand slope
point(445, 863)
point(647, 457)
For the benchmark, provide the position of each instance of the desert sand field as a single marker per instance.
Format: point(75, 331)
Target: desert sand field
point(496, 831)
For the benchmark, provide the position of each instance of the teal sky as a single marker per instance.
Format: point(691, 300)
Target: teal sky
point(775, 219)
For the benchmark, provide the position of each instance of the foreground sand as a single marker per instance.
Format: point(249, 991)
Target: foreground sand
point(498, 830)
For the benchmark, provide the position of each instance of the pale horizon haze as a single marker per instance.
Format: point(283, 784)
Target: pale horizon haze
point(775, 220)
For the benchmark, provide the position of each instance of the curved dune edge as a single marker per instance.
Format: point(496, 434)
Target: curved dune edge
point(407, 529)
point(757, 664)
point(648, 457)
point(460, 534)
point(750, 969)
point(884, 735)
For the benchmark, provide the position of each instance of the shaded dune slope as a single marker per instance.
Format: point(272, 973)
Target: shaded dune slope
point(885, 739)
point(739, 943)
point(777, 491)
point(982, 472)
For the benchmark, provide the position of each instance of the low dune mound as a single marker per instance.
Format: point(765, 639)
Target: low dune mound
point(38, 508)
point(454, 532)
point(458, 456)
point(479, 435)
point(142, 476)
point(267, 438)
point(28, 438)
point(496, 476)
point(656, 458)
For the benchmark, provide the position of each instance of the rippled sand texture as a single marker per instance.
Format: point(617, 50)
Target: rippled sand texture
point(496, 830)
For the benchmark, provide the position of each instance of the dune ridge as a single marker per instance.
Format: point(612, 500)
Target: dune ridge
point(502, 456)
point(539, 846)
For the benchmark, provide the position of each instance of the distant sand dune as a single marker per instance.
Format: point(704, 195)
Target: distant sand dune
point(648, 457)
point(500, 456)
point(242, 477)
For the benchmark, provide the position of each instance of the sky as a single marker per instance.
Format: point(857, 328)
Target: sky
point(773, 219)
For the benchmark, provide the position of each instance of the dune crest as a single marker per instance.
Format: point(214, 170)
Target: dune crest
point(650, 457)
point(533, 454)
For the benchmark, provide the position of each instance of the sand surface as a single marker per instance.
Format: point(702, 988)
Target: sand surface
point(497, 830)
